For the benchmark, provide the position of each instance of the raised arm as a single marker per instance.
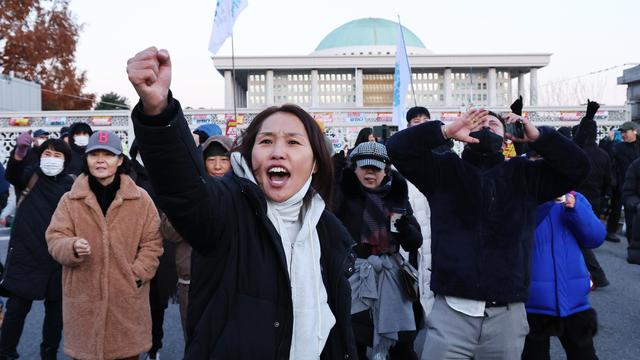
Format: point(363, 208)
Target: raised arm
point(198, 206)
point(410, 149)
point(563, 167)
point(583, 223)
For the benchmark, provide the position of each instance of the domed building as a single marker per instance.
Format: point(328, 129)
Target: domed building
point(353, 67)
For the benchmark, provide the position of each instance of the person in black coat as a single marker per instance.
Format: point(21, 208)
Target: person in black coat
point(624, 153)
point(367, 195)
point(30, 272)
point(260, 222)
point(596, 185)
point(79, 134)
point(483, 212)
point(631, 199)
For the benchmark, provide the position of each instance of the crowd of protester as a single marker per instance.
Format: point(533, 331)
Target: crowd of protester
point(277, 246)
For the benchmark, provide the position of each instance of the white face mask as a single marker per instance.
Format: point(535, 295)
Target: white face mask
point(51, 166)
point(39, 142)
point(81, 140)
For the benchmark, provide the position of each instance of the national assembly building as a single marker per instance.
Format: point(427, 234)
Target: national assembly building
point(353, 67)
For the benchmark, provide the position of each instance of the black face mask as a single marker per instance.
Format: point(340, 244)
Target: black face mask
point(489, 142)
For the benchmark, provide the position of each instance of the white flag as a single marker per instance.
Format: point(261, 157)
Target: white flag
point(227, 12)
point(401, 81)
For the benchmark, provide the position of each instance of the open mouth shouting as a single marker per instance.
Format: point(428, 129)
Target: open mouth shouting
point(278, 176)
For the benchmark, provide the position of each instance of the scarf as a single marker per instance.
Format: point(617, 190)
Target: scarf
point(375, 218)
point(296, 224)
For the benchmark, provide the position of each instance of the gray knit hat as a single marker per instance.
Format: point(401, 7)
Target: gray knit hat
point(370, 154)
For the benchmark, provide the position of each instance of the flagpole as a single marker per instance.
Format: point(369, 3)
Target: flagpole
point(413, 89)
point(233, 76)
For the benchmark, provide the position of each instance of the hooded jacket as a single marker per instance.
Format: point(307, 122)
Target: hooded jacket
point(76, 164)
point(105, 314)
point(559, 277)
point(240, 303)
point(483, 208)
point(30, 271)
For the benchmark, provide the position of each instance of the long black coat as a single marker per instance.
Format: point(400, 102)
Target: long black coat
point(483, 208)
point(240, 308)
point(623, 155)
point(30, 272)
point(596, 185)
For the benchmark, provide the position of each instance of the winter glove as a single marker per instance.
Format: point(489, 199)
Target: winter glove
point(592, 108)
point(23, 143)
point(409, 234)
point(517, 105)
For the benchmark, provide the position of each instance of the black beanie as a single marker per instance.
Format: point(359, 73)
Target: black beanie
point(215, 149)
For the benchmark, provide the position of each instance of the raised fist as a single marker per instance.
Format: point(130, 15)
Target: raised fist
point(517, 105)
point(23, 143)
point(592, 108)
point(150, 74)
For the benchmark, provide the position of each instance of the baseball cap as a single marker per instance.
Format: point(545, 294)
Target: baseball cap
point(105, 140)
point(370, 154)
point(629, 125)
point(40, 132)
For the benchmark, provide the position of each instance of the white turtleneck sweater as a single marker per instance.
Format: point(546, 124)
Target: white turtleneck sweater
point(296, 223)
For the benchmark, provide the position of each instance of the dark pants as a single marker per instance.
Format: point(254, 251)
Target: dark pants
point(17, 310)
point(597, 273)
point(615, 209)
point(158, 305)
point(363, 331)
point(575, 333)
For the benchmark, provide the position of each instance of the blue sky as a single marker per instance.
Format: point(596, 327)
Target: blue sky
point(584, 36)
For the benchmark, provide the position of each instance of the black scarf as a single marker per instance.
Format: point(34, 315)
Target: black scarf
point(375, 218)
point(104, 194)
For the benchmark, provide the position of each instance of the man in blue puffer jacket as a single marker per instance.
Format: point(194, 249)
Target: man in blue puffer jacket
point(558, 302)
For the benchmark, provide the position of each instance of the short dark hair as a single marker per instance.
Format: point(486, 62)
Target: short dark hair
point(58, 145)
point(417, 111)
point(322, 181)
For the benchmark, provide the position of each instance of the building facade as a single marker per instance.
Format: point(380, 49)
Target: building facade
point(19, 95)
point(353, 67)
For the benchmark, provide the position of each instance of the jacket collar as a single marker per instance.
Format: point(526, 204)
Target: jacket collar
point(482, 160)
point(81, 190)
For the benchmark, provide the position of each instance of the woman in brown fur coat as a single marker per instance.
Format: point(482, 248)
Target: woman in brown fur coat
point(105, 233)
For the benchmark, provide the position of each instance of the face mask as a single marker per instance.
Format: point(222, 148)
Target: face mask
point(489, 142)
point(51, 166)
point(81, 140)
point(39, 142)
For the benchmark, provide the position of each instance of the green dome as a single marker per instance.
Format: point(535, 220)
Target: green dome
point(371, 31)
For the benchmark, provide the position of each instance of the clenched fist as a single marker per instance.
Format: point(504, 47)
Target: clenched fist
point(150, 74)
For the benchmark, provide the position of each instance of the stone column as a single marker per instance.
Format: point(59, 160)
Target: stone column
point(446, 83)
point(533, 84)
point(315, 89)
point(268, 88)
point(491, 86)
point(359, 89)
point(229, 89)
point(521, 85)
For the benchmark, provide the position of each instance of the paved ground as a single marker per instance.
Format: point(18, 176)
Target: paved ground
point(618, 308)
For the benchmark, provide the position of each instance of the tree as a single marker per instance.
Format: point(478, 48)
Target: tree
point(38, 41)
point(112, 101)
